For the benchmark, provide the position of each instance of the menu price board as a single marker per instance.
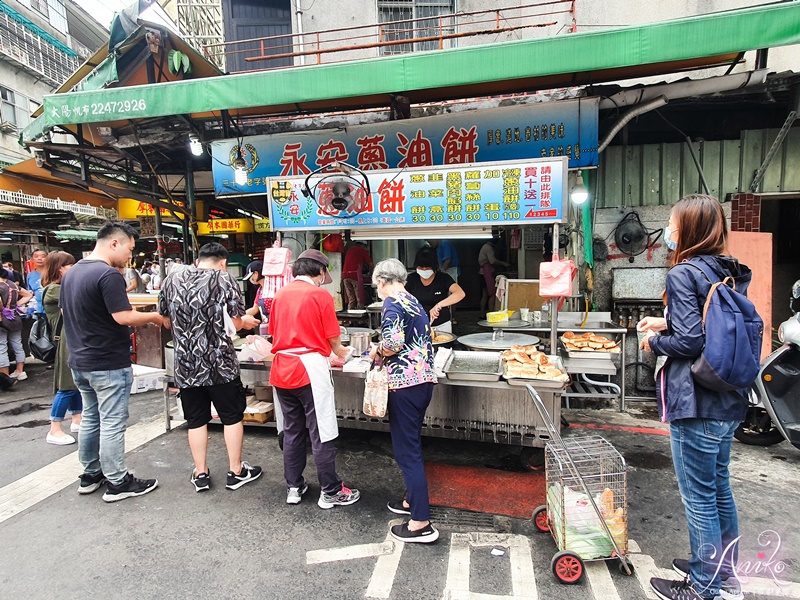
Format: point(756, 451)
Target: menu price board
point(502, 193)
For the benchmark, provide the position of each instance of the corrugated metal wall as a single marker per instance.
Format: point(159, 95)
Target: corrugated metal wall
point(660, 174)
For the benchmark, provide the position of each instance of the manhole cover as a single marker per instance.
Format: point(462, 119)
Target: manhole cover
point(453, 518)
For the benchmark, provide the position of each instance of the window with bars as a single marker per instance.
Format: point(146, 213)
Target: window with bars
point(15, 109)
point(41, 7)
point(419, 19)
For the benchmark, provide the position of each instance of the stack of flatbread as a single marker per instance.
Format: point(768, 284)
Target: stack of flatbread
point(588, 342)
point(529, 363)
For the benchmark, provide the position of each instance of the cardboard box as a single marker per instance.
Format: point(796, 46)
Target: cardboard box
point(262, 412)
point(146, 379)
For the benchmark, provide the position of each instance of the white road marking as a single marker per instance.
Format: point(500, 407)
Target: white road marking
point(382, 580)
point(768, 587)
point(600, 581)
point(523, 581)
point(633, 547)
point(316, 557)
point(51, 479)
point(646, 568)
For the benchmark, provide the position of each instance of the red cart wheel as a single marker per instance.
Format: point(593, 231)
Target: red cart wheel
point(567, 567)
point(540, 519)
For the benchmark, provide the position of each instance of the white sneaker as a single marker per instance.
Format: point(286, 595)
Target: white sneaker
point(75, 428)
point(295, 494)
point(62, 440)
point(20, 376)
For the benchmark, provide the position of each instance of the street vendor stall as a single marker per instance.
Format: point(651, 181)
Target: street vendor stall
point(472, 406)
point(479, 396)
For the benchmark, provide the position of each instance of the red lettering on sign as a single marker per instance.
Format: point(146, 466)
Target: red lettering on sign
point(391, 196)
point(531, 171)
point(293, 162)
point(371, 154)
point(331, 152)
point(416, 153)
point(460, 146)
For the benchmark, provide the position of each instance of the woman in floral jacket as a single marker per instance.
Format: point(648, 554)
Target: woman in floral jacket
point(408, 352)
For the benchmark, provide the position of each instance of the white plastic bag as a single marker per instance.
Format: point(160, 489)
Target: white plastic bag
point(376, 392)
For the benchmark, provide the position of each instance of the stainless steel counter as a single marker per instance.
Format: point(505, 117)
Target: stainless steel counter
point(469, 410)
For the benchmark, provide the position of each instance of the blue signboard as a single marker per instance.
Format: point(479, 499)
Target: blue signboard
point(506, 193)
point(546, 130)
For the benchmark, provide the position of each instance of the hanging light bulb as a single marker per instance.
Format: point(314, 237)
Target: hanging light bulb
point(579, 192)
point(195, 145)
point(240, 171)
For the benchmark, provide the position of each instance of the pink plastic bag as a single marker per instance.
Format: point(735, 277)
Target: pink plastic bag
point(555, 278)
point(275, 261)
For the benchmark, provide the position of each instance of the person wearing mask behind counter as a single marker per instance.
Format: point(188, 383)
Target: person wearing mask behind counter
point(435, 290)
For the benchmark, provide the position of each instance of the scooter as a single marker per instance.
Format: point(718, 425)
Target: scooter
point(774, 411)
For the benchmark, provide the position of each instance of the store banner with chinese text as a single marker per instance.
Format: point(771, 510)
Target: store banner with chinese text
point(545, 130)
point(218, 226)
point(516, 192)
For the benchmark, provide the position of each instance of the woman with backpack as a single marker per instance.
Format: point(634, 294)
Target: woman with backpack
point(12, 297)
point(702, 420)
point(67, 395)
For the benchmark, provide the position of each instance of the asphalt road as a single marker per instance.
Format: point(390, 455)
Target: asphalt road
point(250, 544)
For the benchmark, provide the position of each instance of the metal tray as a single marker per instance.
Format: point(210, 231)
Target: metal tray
point(474, 366)
point(542, 384)
point(593, 354)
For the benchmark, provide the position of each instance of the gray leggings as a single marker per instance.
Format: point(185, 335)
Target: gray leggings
point(15, 338)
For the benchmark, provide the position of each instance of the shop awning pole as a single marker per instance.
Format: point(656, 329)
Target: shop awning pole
point(190, 199)
point(162, 270)
point(554, 301)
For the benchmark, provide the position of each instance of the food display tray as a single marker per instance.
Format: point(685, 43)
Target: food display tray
point(542, 384)
point(592, 354)
point(474, 366)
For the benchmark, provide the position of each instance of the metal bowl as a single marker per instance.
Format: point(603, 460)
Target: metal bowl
point(443, 339)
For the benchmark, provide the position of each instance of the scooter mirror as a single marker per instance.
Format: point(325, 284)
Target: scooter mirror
point(794, 301)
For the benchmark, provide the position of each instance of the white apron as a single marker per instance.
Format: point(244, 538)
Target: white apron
point(319, 374)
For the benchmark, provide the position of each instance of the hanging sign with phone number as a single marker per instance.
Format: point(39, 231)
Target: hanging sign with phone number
point(503, 193)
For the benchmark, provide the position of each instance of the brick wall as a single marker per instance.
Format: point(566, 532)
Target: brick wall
point(746, 212)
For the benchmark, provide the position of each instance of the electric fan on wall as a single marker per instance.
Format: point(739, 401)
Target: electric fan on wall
point(632, 237)
point(337, 192)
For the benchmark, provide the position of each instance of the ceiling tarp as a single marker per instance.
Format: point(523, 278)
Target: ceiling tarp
point(557, 61)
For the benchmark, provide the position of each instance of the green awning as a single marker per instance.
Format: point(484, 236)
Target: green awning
point(557, 61)
point(75, 234)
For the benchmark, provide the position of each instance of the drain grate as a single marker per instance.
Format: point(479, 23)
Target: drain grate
point(453, 518)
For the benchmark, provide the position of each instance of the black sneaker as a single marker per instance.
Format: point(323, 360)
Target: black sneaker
point(202, 482)
point(731, 589)
point(247, 475)
point(130, 487)
point(426, 535)
point(396, 506)
point(668, 589)
point(90, 483)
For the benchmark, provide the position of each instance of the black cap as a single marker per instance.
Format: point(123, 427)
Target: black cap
point(257, 266)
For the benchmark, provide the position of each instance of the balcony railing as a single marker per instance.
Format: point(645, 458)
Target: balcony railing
point(396, 37)
point(35, 53)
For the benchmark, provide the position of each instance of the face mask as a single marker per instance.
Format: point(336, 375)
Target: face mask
point(671, 244)
point(425, 273)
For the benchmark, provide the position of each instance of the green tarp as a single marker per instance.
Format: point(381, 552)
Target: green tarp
point(682, 39)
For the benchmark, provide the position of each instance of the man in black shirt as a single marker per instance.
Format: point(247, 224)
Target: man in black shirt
point(97, 316)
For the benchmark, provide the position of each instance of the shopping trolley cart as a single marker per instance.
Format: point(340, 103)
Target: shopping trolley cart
point(587, 504)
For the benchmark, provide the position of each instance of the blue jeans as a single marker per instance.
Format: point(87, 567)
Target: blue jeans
point(105, 417)
point(407, 408)
point(701, 453)
point(63, 401)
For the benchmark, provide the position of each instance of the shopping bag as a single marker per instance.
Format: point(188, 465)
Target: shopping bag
point(555, 278)
point(275, 261)
point(376, 392)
